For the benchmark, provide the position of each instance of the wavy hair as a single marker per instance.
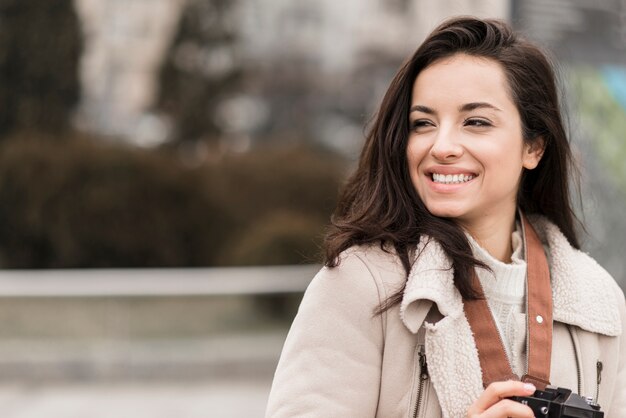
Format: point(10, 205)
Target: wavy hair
point(379, 204)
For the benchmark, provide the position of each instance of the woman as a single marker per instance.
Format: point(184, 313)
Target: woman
point(463, 177)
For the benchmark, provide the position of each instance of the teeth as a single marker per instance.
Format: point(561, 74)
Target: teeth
point(451, 179)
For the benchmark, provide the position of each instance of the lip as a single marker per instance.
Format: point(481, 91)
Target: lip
point(447, 169)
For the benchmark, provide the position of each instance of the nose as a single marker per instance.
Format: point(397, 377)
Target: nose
point(446, 146)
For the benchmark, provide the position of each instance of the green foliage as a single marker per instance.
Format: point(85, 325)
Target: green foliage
point(40, 46)
point(79, 203)
point(603, 120)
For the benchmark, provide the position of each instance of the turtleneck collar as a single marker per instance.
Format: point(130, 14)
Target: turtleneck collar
point(506, 280)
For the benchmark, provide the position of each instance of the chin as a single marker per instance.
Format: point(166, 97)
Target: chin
point(446, 211)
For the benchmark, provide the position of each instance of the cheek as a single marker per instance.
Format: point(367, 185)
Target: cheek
point(414, 155)
point(415, 152)
point(505, 170)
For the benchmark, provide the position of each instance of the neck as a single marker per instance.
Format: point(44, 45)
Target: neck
point(494, 235)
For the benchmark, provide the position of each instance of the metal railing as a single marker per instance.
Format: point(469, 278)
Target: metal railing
point(156, 282)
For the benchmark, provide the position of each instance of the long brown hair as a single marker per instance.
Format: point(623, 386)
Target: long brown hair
point(379, 204)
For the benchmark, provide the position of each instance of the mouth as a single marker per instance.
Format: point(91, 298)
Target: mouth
point(458, 178)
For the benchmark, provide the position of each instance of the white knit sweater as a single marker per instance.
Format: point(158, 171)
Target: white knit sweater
point(505, 290)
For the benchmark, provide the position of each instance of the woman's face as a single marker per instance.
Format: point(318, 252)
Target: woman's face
point(465, 151)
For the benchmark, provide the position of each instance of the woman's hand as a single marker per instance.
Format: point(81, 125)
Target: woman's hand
point(492, 403)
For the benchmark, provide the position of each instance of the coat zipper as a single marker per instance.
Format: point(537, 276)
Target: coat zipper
point(423, 378)
point(599, 378)
point(571, 336)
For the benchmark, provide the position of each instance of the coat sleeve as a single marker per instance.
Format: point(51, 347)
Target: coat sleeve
point(618, 403)
point(331, 361)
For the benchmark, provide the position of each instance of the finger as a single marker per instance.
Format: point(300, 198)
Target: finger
point(500, 390)
point(508, 408)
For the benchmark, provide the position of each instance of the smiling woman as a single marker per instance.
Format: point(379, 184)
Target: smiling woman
point(453, 278)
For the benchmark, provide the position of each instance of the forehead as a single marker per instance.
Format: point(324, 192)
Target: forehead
point(462, 79)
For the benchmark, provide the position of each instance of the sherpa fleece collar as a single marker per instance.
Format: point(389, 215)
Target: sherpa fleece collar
point(583, 293)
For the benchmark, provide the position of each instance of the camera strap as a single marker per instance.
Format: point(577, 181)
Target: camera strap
point(491, 353)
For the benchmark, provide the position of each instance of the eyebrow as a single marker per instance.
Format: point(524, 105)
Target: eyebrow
point(467, 107)
point(423, 109)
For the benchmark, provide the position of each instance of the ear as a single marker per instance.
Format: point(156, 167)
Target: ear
point(533, 152)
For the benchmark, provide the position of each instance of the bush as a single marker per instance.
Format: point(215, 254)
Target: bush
point(81, 203)
point(281, 200)
point(278, 238)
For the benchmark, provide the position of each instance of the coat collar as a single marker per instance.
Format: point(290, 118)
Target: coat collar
point(583, 294)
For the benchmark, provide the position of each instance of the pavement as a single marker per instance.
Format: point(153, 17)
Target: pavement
point(226, 376)
point(142, 344)
point(227, 398)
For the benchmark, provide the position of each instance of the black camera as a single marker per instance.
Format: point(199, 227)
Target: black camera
point(556, 402)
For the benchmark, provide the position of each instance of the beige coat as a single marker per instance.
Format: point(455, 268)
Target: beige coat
point(340, 360)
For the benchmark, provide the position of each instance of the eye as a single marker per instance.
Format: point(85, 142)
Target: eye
point(477, 122)
point(420, 124)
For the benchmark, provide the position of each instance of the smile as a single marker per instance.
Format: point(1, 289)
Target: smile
point(451, 178)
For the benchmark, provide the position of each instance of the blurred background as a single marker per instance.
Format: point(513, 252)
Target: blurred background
point(167, 169)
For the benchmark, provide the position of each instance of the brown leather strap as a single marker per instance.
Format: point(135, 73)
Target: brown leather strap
point(493, 359)
point(538, 310)
point(491, 353)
